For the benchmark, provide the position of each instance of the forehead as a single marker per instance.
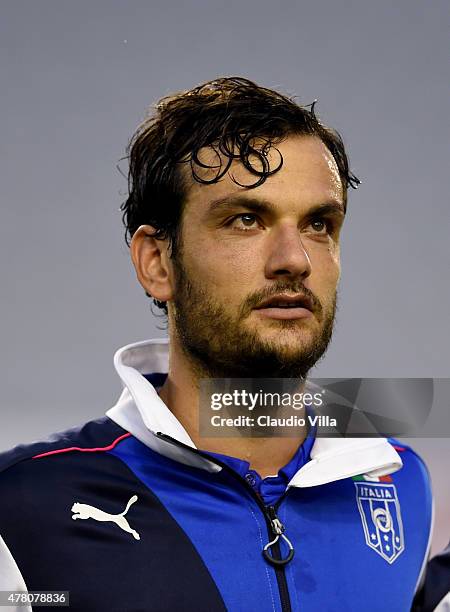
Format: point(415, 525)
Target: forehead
point(309, 175)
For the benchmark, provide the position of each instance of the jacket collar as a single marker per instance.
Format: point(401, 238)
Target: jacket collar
point(142, 412)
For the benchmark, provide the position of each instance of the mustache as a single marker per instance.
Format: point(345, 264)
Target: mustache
point(256, 298)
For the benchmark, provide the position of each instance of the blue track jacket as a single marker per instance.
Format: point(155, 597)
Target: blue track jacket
point(128, 516)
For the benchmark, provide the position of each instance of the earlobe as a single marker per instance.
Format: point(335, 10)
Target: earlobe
point(151, 262)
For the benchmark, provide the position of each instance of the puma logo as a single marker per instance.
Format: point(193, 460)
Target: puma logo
point(84, 511)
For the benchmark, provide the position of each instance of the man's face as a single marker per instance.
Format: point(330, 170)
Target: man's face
point(241, 247)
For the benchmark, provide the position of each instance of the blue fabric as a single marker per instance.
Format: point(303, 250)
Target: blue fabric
point(221, 519)
point(331, 527)
point(333, 567)
point(202, 533)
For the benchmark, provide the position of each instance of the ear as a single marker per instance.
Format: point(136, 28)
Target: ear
point(151, 261)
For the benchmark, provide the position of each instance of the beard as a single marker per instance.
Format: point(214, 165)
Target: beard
point(219, 345)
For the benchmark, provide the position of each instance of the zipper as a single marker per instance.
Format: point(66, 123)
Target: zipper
point(278, 531)
point(274, 525)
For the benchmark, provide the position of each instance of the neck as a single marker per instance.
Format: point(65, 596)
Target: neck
point(180, 393)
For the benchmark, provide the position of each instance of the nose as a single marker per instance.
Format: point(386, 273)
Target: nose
point(287, 255)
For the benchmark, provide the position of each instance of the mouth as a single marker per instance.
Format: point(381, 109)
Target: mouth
point(285, 306)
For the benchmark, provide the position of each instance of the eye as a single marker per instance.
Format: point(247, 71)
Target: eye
point(244, 221)
point(320, 225)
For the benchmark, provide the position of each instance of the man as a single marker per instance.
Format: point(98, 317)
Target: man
point(237, 198)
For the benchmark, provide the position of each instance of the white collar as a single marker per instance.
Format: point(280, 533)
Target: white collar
point(142, 412)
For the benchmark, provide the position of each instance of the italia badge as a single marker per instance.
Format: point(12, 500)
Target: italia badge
point(381, 517)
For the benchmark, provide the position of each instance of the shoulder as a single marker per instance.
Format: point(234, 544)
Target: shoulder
point(40, 481)
point(25, 462)
point(415, 494)
point(411, 459)
point(414, 479)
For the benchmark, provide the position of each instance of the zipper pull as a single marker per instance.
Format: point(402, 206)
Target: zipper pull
point(278, 531)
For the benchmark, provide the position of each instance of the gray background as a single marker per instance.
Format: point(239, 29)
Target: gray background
point(76, 79)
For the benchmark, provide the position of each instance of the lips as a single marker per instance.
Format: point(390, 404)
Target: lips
point(283, 300)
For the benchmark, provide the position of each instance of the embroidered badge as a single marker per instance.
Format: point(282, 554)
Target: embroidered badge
point(381, 518)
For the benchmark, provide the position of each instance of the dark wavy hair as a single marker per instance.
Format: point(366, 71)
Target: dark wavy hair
point(235, 117)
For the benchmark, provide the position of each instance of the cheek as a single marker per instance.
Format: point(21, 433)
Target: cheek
point(223, 266)
point(335, 257)
point(326, 267)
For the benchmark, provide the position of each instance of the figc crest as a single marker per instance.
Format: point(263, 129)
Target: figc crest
point(381, 518)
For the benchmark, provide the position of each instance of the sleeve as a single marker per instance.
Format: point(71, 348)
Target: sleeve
point(434, 594)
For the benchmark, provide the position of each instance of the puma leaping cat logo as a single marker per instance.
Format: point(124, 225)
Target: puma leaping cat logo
point(84, 511)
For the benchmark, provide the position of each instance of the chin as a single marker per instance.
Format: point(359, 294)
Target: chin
point(290, 334)
point(292, 344)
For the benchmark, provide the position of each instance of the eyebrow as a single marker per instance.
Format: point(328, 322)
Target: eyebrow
point(260, 205)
